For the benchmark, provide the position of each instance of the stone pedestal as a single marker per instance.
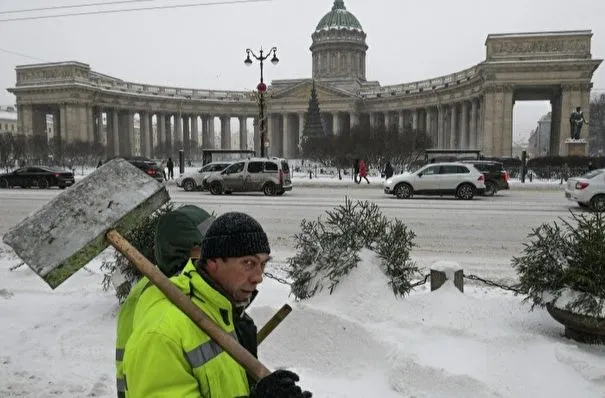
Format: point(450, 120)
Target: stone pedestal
point(576, 147)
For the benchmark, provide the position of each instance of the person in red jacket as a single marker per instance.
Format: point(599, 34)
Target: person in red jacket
point(363, 171)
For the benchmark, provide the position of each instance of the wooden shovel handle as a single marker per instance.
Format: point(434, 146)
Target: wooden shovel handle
point(175, 295)
point(273, 323)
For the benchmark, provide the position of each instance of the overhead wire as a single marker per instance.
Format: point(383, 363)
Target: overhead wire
point(62, 7)
point(124, 10)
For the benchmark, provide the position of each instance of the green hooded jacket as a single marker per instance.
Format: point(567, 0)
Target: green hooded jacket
point(177, 232)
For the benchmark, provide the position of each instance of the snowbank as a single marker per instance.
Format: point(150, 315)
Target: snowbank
point(359, 342)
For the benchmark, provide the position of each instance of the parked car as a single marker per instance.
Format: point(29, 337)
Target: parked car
point(37, 176)
point(195, 180)
point(268, 175)
point(496, 177)
point(588, 190)
point(146, 165)
point(460, 179)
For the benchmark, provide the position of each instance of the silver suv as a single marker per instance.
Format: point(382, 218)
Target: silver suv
point(268, 175)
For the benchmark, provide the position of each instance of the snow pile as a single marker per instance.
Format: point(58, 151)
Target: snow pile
point(359, 342)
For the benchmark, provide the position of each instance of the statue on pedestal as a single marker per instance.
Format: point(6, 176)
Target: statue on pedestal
point(576, 122)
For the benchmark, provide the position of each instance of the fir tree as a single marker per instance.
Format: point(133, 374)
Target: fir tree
point(313, 123)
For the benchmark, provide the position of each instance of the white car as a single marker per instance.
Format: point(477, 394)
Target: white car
point(588, 190)
point(193, 181)
point(462, 180)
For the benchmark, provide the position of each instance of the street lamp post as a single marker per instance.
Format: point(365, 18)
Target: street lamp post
point(262, 88)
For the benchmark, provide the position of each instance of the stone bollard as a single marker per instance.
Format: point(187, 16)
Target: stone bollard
point(446, 270)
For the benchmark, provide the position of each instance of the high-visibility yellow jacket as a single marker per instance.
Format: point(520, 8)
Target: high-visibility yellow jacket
point(124, 329)
point(167, 355)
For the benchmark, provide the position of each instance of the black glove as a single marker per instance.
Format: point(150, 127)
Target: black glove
point(279, 384)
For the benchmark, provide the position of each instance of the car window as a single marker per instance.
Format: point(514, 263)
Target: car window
point(592, 174)
point(271, 166)
point(448, 169)
point(235, 168)
point(284, 166)
point(255, 167)
point(431, 170)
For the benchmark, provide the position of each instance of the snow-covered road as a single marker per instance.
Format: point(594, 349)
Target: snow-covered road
point(482, 234)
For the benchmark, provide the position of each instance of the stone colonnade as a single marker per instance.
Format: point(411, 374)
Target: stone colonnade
point(157, 134)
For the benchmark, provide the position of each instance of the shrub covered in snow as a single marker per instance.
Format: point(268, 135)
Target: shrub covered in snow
point(328, 249)
point(564, 258)
point(142, 238)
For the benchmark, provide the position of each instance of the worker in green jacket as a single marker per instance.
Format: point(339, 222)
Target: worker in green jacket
point(168, 355)
point(178, 237)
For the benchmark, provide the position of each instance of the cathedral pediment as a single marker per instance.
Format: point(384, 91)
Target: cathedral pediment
point(302, 91)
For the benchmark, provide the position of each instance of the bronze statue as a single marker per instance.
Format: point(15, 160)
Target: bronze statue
point(576, 121)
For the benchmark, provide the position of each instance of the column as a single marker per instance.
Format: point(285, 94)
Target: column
point(90, 122)
point(415, 119)
point(428, 126)
point(257, 142)
point(151, 141)
point(109, 148)
point(301, 126)
point(473, 125)
point(498, 121)
point(38, 122)
point(463, 143)
point(387, 121)
point(186, 137)
point(454, 126)
point(287, 136)
point(336, 124)
point(116, 132)
point(195, 137)
point(354, 119)
point(208, 139)
point(25, 114)
point(373, 120)
point(269, 139)
point(98, 126)
point(160, 120)
point(441, 126)
point(225, 132)
point(243, 133)
point(401, 122)
point(145, 134)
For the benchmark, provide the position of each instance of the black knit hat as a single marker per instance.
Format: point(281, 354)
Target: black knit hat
point(234, 234)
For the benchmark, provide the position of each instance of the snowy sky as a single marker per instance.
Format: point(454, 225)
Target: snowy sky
point(203, 47)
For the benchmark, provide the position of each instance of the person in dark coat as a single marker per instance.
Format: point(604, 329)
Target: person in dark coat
point(388, 170)
point(356, 170)
point(170, 166)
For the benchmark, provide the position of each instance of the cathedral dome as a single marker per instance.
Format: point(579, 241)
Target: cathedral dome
point(339, 18)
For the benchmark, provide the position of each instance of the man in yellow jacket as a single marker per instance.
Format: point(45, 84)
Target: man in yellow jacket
point(168, 355)
point(178, 237)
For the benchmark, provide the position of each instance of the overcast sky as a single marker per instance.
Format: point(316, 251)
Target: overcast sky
point(203, 47)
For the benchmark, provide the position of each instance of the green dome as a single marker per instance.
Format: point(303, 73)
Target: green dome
point(339, 18)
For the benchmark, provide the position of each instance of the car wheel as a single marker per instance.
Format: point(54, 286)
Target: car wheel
point(216, 188)
point(490, 189)
point(597, 203)
point(465, 192)
point(582, 205)
point(3, 183)
point(281, 193)
point(43, 183)
point(189, 185)
point(403, 191)
point(270, 189)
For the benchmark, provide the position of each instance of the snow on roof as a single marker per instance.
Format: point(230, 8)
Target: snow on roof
point(4, 115)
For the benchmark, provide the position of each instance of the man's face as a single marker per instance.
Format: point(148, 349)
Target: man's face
point(238, 276)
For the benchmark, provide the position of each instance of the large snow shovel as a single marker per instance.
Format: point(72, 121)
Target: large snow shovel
point(77, 225)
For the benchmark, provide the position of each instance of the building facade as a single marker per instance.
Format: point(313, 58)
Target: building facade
point(539, 140)
point(469, 109)
point(8, 119)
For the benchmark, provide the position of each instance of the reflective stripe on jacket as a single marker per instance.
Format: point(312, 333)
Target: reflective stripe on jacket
point(168, 355)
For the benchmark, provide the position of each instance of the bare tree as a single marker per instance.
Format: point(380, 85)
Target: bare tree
point(6, 147)
point(597, 125)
